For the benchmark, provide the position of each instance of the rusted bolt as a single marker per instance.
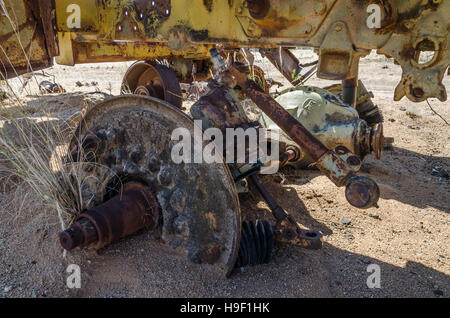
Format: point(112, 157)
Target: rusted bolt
point(408, 25)
point(251, 28)
point(320, 8)
point(308, 28)
point(338, 28)
point(353, 161)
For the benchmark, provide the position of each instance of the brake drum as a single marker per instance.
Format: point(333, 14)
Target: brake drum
point(128, 139)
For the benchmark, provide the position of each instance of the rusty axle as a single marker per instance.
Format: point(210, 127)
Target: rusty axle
point(136, 208)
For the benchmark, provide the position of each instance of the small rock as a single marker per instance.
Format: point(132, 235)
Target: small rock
point(349, 236)
point(376, 217)
point(414, 127)
point(3, 94)
point(438, 292)
point(7, 289)
point(346, 222)
point(412, 115)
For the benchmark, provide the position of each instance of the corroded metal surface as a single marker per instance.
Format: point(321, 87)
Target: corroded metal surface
point(362, 192)
point(27, 36)
point(286, 62)
point(338, 29)
point(131, 210)
point(220, 108)
point(153, 79)
point(330, 120)
point(134, 144)
point(340, 165)
point(279, 115)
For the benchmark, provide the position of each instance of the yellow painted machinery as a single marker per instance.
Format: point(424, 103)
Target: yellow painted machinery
point(195, 207)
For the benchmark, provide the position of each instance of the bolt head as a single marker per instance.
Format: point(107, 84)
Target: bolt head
point(320, 8)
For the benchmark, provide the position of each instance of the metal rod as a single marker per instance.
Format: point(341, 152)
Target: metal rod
point(286, 62)
point(277, 211)
point(287, 229)
point(293, 128)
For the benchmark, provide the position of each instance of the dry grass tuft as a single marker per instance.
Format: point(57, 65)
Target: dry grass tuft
point(34, 155)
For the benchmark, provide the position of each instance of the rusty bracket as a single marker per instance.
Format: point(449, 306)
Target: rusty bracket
point(288, 65)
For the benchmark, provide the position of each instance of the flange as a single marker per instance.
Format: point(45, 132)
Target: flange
point(199, 203)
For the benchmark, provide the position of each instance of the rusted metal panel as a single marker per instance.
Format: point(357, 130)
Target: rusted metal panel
point(23, 37)
point(48, 17)
point(98, 52)
point(340, 31)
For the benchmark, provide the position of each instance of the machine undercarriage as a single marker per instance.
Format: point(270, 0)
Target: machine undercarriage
point(206, 49)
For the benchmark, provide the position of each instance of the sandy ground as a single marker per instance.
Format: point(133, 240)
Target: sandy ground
point(407, 236)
